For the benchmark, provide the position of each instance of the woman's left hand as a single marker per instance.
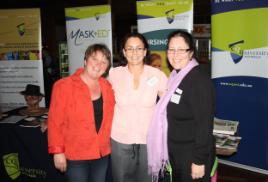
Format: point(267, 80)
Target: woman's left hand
point(198, 171)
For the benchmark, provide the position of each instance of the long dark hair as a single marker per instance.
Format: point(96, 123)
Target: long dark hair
point(124, 41)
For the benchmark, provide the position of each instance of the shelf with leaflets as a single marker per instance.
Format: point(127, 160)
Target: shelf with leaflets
point(226, 136)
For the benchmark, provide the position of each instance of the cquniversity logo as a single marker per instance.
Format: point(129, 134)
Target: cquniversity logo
point(97, 16)
point(21, 29)
point(12, 166)
point(170, 15)
point(236, 51)
point(14, 169)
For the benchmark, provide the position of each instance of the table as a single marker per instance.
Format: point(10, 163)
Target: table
point(24, 154)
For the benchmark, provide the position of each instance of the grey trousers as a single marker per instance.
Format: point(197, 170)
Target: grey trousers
point(129, 162)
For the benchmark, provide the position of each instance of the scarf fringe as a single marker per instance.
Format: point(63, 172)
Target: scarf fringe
point(155, 174)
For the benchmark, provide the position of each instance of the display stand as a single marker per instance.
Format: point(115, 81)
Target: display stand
point(63, 59)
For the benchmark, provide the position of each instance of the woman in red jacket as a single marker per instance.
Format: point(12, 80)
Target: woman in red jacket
point(80, 117)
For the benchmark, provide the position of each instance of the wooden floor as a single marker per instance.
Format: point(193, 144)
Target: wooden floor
point(228, 173)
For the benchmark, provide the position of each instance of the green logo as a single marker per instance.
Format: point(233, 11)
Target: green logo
point(12, 166)
point(14, 170)
point(21, 29)
point(97, 16)
point(236, 51)
point(170, 15)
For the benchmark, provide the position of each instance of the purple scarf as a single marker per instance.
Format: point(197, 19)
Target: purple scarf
point(157, 134)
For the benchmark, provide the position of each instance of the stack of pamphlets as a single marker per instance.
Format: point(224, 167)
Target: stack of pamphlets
point(225, 132)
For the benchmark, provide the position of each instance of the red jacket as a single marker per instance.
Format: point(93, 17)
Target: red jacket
point(71, 124)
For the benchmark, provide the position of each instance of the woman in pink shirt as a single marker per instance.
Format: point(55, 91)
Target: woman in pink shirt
point(136, 87)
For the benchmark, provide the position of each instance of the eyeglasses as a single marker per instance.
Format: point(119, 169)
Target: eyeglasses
point(132, 49)
point(179, 51)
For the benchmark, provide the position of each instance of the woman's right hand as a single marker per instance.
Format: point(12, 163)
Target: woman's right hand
point(60, 162)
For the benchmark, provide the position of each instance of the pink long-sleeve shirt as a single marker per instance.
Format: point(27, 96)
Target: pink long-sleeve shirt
point(134, 107)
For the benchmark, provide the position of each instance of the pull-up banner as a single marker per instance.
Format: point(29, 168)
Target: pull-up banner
point(157, 18)
point(20, 55)
point(86, 26)
point(240, 74)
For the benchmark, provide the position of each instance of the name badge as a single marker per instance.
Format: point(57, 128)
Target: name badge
point(175, 98)
point(179, 91)
point(152, 81)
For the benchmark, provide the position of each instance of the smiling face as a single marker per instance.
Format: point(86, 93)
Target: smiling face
point(178, 53)
point(96, 64)
point(134, 51)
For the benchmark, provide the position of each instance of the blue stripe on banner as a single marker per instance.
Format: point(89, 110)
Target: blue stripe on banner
point(213, 49)
point(244, 99)
point(222, 6)
point(69, 18)
point(141, 17)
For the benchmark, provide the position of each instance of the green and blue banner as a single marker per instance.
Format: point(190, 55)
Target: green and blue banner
point(86, 26)
point(240, 74)
point(20, 55)
point(157, 18)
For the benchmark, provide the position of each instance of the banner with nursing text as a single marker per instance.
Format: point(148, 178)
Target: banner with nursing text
point(20, 55)
point(240, 74)
point(157, 18)
point(86, 26)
